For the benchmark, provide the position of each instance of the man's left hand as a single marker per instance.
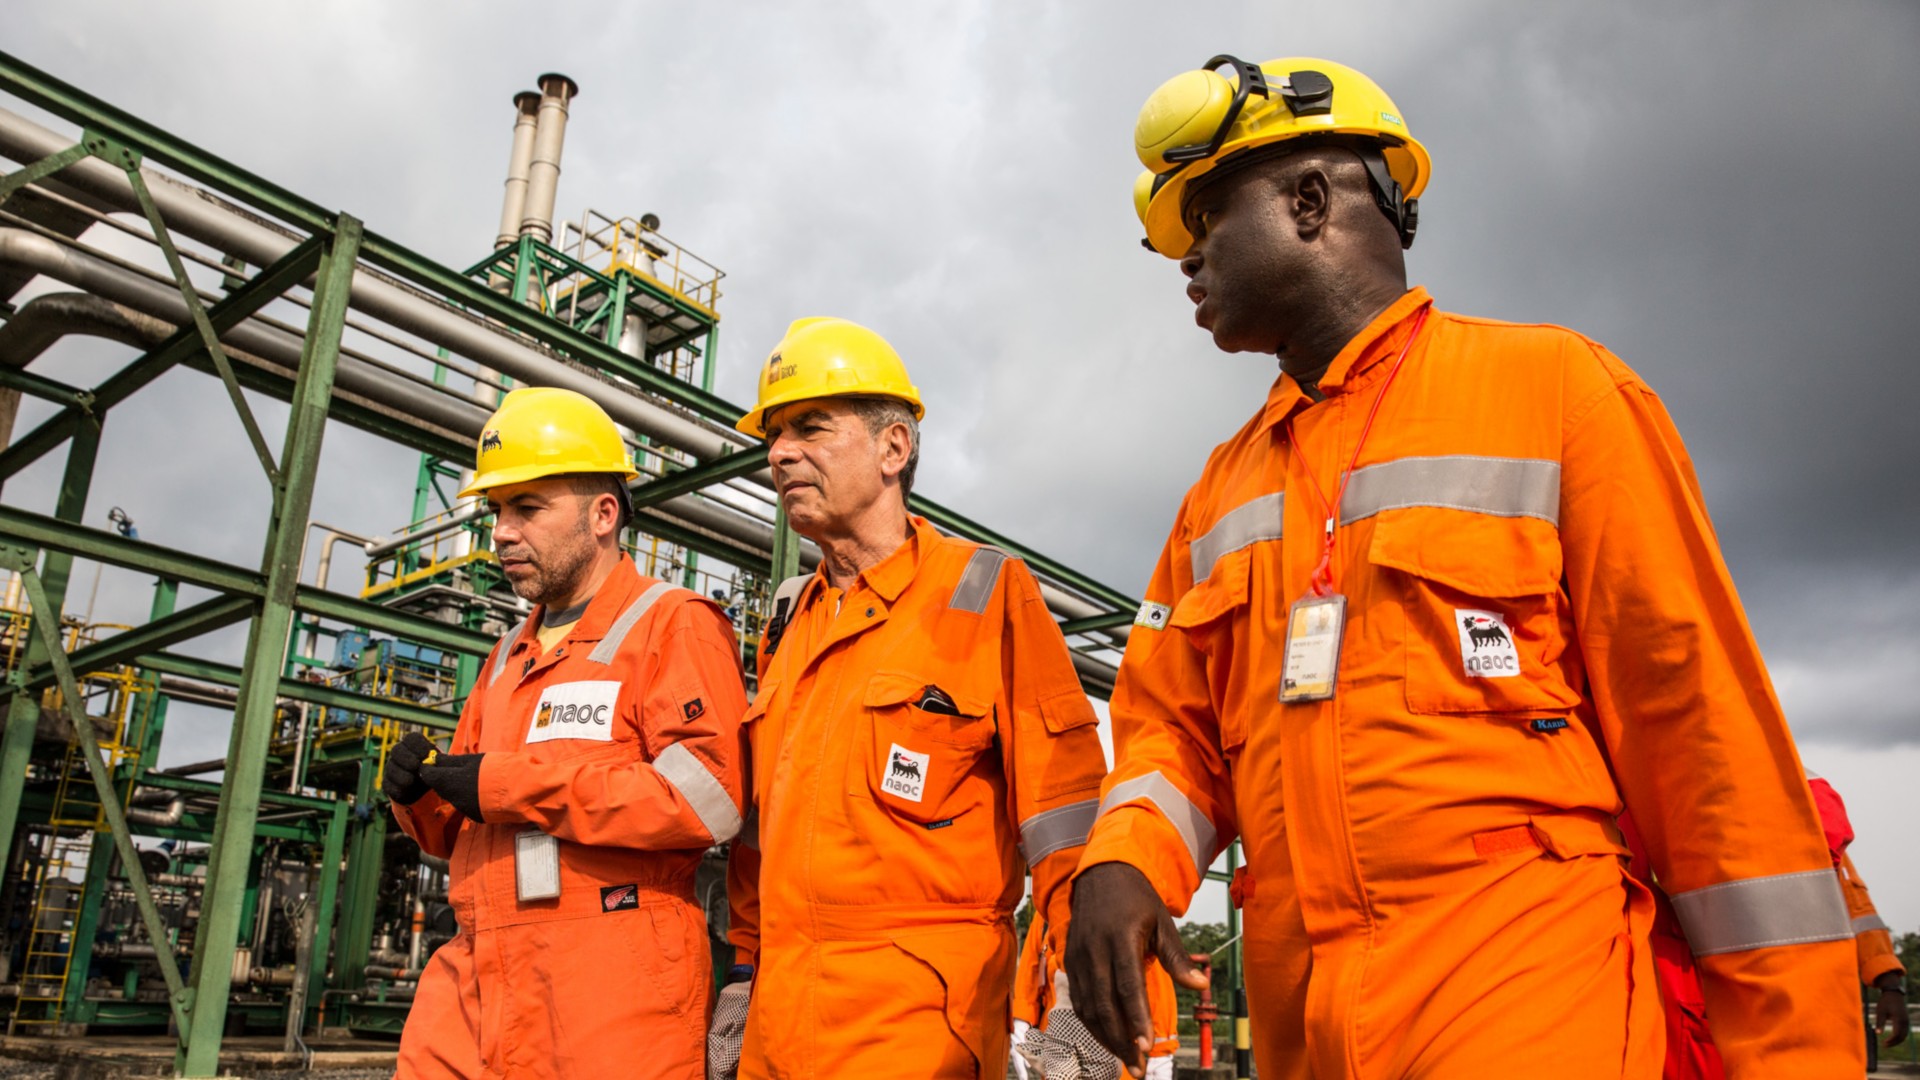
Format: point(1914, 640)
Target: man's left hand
point(456, 778)
point(1890, 1014)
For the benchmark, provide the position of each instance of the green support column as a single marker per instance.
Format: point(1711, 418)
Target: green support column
point(707, 358)
point(166, 593)
point(75, 1008)
point(366, 850)
point(23, 709)
point(253, 717)
point(786, 549)
point(326, 901)
point(86, 924)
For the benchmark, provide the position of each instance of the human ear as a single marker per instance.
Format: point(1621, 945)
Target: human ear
point(1312, 202)
point(895, 446)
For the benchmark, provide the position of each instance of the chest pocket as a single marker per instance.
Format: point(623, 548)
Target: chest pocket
point(917, 760)
point(1214, 615)
point(1487, 628)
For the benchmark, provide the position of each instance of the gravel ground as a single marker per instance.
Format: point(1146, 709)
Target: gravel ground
point(11, 1069)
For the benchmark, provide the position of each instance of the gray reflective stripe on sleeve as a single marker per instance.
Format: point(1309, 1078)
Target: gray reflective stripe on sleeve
point(501, 650)
point(1057, 830)
point(977, 581)
point(1502, 487)
point(1865, 923)
point(1249, 523)
point(609, 646)
point(1754, 913)
point(1186, 818)
point(710, 801)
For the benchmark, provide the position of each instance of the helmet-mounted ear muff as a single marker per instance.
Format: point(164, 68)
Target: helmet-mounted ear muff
point(1200, 122)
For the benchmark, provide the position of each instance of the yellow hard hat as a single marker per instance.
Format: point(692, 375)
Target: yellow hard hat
point(822, 357)
point(1199, 119)
point(545, 431)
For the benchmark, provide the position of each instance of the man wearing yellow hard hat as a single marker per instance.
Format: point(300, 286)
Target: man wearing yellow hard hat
point(1443, 607)
point(920, 742)
point(597, 758)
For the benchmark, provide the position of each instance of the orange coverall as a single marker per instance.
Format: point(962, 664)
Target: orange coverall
point(1539, 629)
point(876, 897)
point(623, 742)
point(1872, 941)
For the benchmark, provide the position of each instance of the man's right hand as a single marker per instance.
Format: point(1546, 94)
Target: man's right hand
point(1118, 921)
point(400, 780)
point(728, 1031)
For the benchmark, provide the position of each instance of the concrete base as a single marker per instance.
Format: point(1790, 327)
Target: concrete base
point(122, 1057)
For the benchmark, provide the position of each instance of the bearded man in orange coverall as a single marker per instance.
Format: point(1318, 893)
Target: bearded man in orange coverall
point(1444, 606)
point(596, 760)
point(920, 742)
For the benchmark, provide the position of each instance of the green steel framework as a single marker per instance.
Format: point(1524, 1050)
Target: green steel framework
point(42, 548)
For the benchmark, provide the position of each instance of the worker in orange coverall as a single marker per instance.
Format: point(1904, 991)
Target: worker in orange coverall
point(920, 742)
point(1691, 1054)
point(599, 755)
point(1445, 604)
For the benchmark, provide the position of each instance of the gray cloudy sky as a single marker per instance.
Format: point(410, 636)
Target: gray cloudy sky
point(1718, 192)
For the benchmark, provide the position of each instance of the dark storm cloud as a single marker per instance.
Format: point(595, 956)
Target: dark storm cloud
point(1716, 192)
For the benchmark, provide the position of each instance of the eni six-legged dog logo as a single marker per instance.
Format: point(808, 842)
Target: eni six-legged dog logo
point(1486, 646)
point(906, 774)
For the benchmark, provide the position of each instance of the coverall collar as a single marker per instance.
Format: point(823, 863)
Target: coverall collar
point(889, 577)
point(1357, 363)
point(607, 604)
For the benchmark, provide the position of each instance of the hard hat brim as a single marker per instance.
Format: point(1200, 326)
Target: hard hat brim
point(755, 422)
point(521, 474)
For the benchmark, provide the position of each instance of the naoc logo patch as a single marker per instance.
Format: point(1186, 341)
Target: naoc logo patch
point(906, 775)
point(1486, 649)
point(575, 710)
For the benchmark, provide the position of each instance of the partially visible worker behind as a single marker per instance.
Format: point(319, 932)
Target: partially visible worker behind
point(920, 742)
point(1445, 604)
point(597, 758)
point(1047, 1058)
point(1691, 1054)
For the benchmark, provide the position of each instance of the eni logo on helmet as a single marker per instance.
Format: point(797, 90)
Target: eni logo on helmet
point(777, 371)
point(490, 440)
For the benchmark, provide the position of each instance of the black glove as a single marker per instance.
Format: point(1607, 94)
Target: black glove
point(400, 780)
point(456, 778)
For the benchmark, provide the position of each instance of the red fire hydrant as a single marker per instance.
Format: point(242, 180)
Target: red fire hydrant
point(1205, 1012)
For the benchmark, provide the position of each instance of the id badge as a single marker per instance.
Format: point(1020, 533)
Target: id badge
point(1311, 661)
point(536, 866)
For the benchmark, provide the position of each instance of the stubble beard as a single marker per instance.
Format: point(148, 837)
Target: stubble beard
point(557, 574)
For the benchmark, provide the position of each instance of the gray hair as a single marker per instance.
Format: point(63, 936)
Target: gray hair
point(881, 413)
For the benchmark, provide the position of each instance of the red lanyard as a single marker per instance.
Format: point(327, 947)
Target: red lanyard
point(1321, 584)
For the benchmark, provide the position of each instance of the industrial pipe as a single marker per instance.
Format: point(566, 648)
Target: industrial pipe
point(549, 137)
point(195, 214)
point(191, 212)
point(44, 320)
point(263, 345)
point(176, 809)
point(526, 106)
